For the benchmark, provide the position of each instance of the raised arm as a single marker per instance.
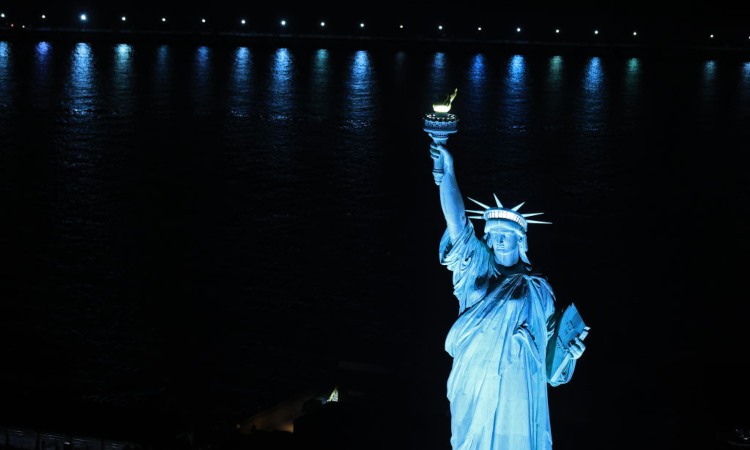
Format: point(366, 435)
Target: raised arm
point(450, 196)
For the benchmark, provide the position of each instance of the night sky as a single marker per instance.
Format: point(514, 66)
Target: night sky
point(688, 13)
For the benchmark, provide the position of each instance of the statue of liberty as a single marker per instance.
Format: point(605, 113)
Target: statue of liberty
point(497, 385)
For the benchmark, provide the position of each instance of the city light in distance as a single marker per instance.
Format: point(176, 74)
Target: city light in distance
point(492, 31)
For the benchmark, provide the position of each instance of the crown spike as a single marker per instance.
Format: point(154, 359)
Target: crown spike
point(475, 217)
point(537, 221)
point(479, 203)
point(532, 214)
point(474, 211)
point(515, 208)
point(497, 200)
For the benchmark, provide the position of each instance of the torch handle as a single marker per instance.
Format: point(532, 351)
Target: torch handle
point(437, 164)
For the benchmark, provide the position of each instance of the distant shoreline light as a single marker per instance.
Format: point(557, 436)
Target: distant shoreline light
point(575, 32)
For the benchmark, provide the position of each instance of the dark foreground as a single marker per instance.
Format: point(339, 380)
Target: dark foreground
point(384, 418)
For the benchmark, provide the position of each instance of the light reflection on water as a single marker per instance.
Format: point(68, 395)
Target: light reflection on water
point(361, 90)
point(281, 95)
point(123, 80)
point(82, 87)
point(593, 97)
point(203, 85)
point(438, 72)
point(517, 94)
point(6, 80)
point(162, 70)
point(241, 83)
point(477, 77)
point(43, 76)
point(744, 97)
point(554, 88)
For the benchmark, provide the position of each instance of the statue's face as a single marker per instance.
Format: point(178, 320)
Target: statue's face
point(503, 239)
point(504, 243)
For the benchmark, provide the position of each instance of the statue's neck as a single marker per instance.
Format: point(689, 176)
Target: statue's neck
point(518, 267)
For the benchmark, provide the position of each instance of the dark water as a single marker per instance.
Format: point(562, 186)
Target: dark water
point(199, 232)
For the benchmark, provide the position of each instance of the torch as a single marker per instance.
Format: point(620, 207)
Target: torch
point(439, 124)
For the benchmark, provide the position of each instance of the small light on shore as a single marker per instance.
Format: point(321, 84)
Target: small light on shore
point(322, 24)
point(123, 18)
point(635, 33)
point(596, 31)
point(203, 20)
point(711, 36)
point(440, 27)
point(479, 28)
point(2, 15)
point(362, 25)
point(83, 17)
point(163, 19)
point(44, 16)
point(283, 22)
point(401, 27)
point(242, 21)
point(518, 29)
point(557, 31)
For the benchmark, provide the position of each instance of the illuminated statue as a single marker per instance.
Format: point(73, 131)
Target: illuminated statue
point(498, 382)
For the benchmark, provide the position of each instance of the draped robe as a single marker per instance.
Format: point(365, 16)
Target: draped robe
point(497, 386)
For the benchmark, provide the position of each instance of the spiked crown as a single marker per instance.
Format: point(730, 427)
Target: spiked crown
point(499, 212)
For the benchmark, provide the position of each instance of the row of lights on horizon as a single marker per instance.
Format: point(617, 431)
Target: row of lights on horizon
point(283, 23)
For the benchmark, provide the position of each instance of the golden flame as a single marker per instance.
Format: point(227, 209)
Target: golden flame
point(445, 105)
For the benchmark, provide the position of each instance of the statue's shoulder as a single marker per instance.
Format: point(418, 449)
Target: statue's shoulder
point(538, 279)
